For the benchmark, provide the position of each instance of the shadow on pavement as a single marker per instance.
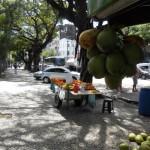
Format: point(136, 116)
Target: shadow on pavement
point(36, 125)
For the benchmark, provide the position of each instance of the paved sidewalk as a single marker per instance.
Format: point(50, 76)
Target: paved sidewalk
point(29, 121)
point(127, 94)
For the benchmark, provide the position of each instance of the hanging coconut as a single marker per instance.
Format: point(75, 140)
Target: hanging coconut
point(134, 39)
point(115, 64)
point(107, 40)
point(96, 66)
point(113, 82)
point(87, 38)
point(92, 52)
point(133, 54)
point(130, 70)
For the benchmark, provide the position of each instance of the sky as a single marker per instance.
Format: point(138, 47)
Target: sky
point(95, 23)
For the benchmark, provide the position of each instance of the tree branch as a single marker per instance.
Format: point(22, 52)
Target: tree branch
point(50, 34)
point(66, 13)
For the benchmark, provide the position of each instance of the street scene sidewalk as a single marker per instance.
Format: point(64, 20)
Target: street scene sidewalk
point(29, 120)
point(127, 94)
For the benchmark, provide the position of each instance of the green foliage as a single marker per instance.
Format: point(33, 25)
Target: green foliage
point(26, 25)
point(142, 30)
point(6, 34)
point(48, 53)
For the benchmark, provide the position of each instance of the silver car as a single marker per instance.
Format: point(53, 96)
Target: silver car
point(144, 70)
point(56, 72)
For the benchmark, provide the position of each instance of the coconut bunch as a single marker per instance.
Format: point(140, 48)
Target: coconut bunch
point(111, 54)
point(140, 141)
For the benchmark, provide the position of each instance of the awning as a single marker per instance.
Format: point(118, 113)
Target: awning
point(124, 12)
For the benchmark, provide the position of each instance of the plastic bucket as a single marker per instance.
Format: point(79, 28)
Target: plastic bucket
point(144, 101)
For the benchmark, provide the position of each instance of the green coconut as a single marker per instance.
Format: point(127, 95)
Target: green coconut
point(115, 64)
point(96, 66)
point(131, 137)
point(139, 139)
point(130, 70)
point(148, 138)
point(135, 148)
point(107, 40)
point(145, 145)
point(144, 135)
point(113, 82)
point(124, 146)
point(92, 52)
point(133, 54)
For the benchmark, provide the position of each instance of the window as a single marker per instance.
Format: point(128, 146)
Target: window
point(60, 70)
point(55, 60)
point(50, 70)
point(144, 68)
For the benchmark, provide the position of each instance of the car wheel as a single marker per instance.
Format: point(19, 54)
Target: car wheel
point(143, 77)
point(74, 78)
point(57, 101)
point(46, 80)
point(37, 78)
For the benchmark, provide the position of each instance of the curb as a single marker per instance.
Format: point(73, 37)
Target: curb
point(128, 100)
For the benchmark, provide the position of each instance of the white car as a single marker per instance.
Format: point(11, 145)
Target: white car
point(56, 72)
point(144, 70)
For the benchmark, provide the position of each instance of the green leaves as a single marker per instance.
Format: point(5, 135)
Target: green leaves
point(26, 25)
point(142, 30)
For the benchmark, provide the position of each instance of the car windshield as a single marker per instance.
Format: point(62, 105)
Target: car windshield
point(46, 69)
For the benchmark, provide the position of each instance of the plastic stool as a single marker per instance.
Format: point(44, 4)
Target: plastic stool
point(107, 105)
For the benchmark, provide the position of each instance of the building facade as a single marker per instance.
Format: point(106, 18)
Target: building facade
point(65, 43)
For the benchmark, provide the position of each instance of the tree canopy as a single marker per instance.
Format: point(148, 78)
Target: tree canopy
point(35, 27)
point(142, 30)
point(5, 28)
point(31, 24)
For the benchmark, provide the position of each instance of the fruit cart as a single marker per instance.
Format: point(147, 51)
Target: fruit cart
point(77, 91)
point(125, 13)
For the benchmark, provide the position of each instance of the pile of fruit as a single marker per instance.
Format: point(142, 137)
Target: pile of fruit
point(74, 86)
point(58, 81)
point(111, 54)
point(139, 141)
point(78, 84)
point(89, 86)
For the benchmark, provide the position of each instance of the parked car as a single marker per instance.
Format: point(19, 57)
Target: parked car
point(56, 72)
point(144, 70)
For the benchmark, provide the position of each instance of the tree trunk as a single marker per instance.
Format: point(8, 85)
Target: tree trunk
point(36, 51)
point(36, 60)
point(85, 75)
point(83, 23)
point(0, 67)
point(29, 60)
point(28, 65)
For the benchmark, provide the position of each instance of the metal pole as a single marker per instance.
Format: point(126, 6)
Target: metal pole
point(67, 49)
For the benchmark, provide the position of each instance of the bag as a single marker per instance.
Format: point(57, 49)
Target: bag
point(92, 101)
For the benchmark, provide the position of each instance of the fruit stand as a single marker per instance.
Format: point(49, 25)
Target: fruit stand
point(120, 14)
point(113, 55)
point(77, 91)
